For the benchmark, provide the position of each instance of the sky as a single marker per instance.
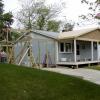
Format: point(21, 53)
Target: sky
point(71, 11)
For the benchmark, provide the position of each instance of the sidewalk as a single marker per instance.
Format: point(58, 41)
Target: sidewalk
point(86, 74)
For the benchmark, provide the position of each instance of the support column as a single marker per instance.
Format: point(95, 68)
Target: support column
point(74, 50)
point(92, 50)
point(98, 51)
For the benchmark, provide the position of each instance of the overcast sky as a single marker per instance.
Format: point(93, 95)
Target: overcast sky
point(73, 8)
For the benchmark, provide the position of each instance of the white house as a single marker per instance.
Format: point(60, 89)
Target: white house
point(66, 48)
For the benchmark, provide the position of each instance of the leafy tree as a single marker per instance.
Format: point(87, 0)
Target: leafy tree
point(15, 35)
point(35, 14)
point(94, 8)
point(68, 27)
point(41, 20)
point(1, 7)
point(53, 25)
point(5, 22)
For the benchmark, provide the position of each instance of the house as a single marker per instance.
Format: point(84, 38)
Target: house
point(79, 47)
point(66, 48)
point(43, 43)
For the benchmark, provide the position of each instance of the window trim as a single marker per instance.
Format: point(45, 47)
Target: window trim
point(65, 47)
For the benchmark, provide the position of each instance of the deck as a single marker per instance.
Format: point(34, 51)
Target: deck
point(78, 63)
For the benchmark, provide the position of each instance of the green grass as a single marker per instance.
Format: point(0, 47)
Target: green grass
point(19, 83)
point(94, 67)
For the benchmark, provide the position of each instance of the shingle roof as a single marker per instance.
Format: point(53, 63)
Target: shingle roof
point(58, 36)
point(75, 33)
point(53, 35)
point(65, 35)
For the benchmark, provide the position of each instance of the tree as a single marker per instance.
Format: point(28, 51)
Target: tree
point(35, 14)
point(94, 8)
point(28, 14)
point(53, 25)
point(5, 22)
point(68, 27)
point(15, 35)
point(41, 20)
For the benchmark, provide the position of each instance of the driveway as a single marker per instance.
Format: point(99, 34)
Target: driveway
point(87, 74)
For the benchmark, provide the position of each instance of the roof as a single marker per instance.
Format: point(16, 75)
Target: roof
point(49, 34)
point(58, 36)
point(75, 33)
point(65, 35)
point(53, 35)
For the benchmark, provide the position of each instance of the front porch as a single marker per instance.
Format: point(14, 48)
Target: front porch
point(78, 63)
point(77, 52)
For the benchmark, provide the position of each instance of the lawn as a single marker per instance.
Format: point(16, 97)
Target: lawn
point(19, 83)
point(94, 67)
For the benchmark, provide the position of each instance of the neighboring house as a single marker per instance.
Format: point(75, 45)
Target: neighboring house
point(65, 48)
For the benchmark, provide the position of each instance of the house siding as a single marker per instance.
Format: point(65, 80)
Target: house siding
point(40, 46)
point(85, 52)
point(69, 56)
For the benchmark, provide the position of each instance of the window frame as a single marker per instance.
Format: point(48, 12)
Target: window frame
point(70, 50)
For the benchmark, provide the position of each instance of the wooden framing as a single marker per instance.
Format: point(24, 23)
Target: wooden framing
point(9, 46)
point(26, 50)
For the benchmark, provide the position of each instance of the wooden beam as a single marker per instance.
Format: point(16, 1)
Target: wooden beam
point(7, 45)
point(87, 39)
point(23, 57)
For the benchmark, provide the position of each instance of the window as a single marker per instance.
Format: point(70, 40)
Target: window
point(65, 47)
point(61, 47)
point(68, 47)
point(95, 46)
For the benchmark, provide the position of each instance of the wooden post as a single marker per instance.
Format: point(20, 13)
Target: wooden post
point(47, 59)
point(77, 66)
point(75, 50)
point(39, 53)
point(13, 60)
point(32, 58)
point(92, 50)
point(7, 47)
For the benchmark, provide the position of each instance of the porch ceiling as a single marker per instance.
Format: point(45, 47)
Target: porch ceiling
point(91, 36)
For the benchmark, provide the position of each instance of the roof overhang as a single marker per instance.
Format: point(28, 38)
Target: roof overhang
point(77, 34)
